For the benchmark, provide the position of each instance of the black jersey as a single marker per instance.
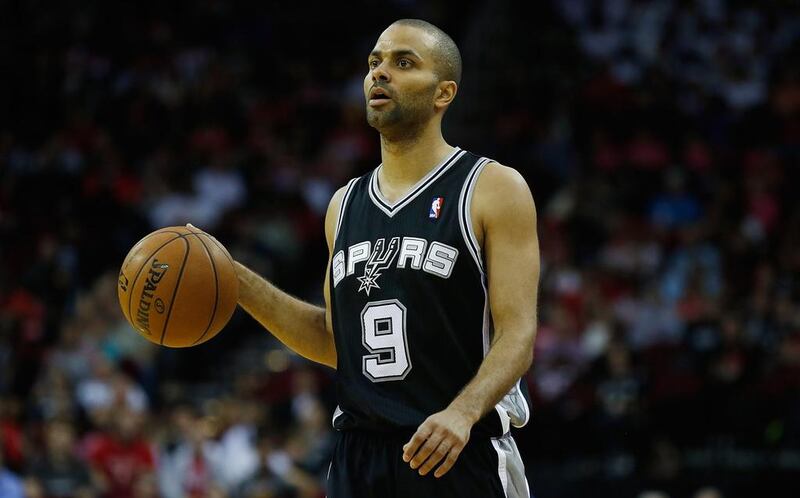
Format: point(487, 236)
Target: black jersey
point(409, 303)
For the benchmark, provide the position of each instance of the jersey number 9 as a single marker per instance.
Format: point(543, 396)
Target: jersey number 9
point(383, 334)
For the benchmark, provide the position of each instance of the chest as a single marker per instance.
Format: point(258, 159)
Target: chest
point(427, 234)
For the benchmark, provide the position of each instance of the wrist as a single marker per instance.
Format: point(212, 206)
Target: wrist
point(468, 410)
point(245, 277)
point(241, 271)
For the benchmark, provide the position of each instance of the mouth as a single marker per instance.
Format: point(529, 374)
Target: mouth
point(378, 97)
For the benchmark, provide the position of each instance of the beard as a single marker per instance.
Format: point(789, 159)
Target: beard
point(405, 115)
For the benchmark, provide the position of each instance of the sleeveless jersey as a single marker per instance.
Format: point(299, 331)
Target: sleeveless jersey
point(409, 305)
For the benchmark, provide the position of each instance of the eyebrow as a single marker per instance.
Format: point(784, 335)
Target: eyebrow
point(396, 53)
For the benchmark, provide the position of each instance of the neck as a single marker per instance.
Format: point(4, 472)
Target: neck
point(407, 158)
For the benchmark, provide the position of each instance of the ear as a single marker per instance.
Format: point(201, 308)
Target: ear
point(445, 93)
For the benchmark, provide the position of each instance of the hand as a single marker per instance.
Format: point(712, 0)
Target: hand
point(442, 435)
point(200, 230)
point(196, 230)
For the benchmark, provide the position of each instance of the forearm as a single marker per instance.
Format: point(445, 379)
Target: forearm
point(506, 362)
point(297, 324)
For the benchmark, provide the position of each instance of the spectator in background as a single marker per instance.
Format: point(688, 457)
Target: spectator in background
point(191, 466)
point(235, 439)
point(696, 260)
point(279, 475)
point(220, 183)
point(73, 352)
point(147, 487)
point(120, 457)
point(179, 204)
point(33, 489)
point(213, 453)
point(52, 395)
point(10, 483)
point(59, 471)
point(11, 433)
point(311, 442)
point(109, 387)
point(676, 207)
point(619, 393)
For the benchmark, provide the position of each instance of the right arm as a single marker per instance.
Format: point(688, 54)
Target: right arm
point(304, 328)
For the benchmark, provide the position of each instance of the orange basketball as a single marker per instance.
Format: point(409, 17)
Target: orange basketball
point(178, 287)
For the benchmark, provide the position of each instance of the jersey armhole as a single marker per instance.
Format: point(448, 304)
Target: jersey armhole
point(342, 208)
point(465, 214)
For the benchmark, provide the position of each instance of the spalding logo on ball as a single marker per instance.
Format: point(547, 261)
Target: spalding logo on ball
point(178, 287)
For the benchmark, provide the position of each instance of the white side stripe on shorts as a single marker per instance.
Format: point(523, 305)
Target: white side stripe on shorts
point(501, 466)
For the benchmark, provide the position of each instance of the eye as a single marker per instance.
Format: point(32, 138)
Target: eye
point(373, 63)
point(404, 63)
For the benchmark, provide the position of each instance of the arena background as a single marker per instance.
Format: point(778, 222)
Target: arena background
point(661, 140)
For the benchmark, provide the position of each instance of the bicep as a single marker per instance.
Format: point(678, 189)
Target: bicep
point(507, 214)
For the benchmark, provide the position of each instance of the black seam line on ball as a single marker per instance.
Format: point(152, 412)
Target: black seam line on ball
point(216, 290)
point(175, 290)
point(138, 273)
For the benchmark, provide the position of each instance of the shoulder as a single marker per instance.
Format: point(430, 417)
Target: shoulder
point(336, 201)
point(502, 190)
point(496, 175)
point(335, 206)
point(332, 215)
point(501, 201)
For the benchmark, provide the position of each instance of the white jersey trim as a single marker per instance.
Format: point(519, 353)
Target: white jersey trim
point(336, 414)
point(465, 223)
point(390, 209)
point(465, 215)
point(342, 208)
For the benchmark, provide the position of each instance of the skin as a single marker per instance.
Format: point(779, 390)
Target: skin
point(504, 220)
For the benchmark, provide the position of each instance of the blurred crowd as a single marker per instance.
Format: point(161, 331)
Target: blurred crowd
point(660, 138)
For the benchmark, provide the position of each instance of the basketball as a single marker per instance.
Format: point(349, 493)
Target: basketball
point(177, 287)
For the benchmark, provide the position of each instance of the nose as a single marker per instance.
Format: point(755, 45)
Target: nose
point(380, 73)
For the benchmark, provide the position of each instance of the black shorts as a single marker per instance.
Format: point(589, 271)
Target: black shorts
point(370, 465)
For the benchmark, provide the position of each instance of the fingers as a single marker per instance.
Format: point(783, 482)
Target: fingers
point(201, 231)
point(452, 456)
point(419, 437)
point(441, 451)
point(428, 448)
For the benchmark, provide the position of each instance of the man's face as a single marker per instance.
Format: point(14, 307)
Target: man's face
point(60, 438)
point(401, 81)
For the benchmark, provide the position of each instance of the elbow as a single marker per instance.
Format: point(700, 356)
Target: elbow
point(528, 361)
point(331, 363)
point(529, 346)
point(331, 359)
point(519, 347)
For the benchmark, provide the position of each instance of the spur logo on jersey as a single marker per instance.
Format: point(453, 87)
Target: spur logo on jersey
point(436, 208)
point(410, 253)
point(379, 260)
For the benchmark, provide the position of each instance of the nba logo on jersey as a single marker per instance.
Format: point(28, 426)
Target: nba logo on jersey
point(436, 208)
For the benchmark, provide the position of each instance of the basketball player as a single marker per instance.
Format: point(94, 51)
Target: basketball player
point(430, 294)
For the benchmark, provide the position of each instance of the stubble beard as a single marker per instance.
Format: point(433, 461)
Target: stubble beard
point(403, 120)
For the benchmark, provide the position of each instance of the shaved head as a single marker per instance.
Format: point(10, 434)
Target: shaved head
point(413, 76)
point(446, 54)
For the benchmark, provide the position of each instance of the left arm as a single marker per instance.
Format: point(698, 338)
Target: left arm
point(505, 219)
